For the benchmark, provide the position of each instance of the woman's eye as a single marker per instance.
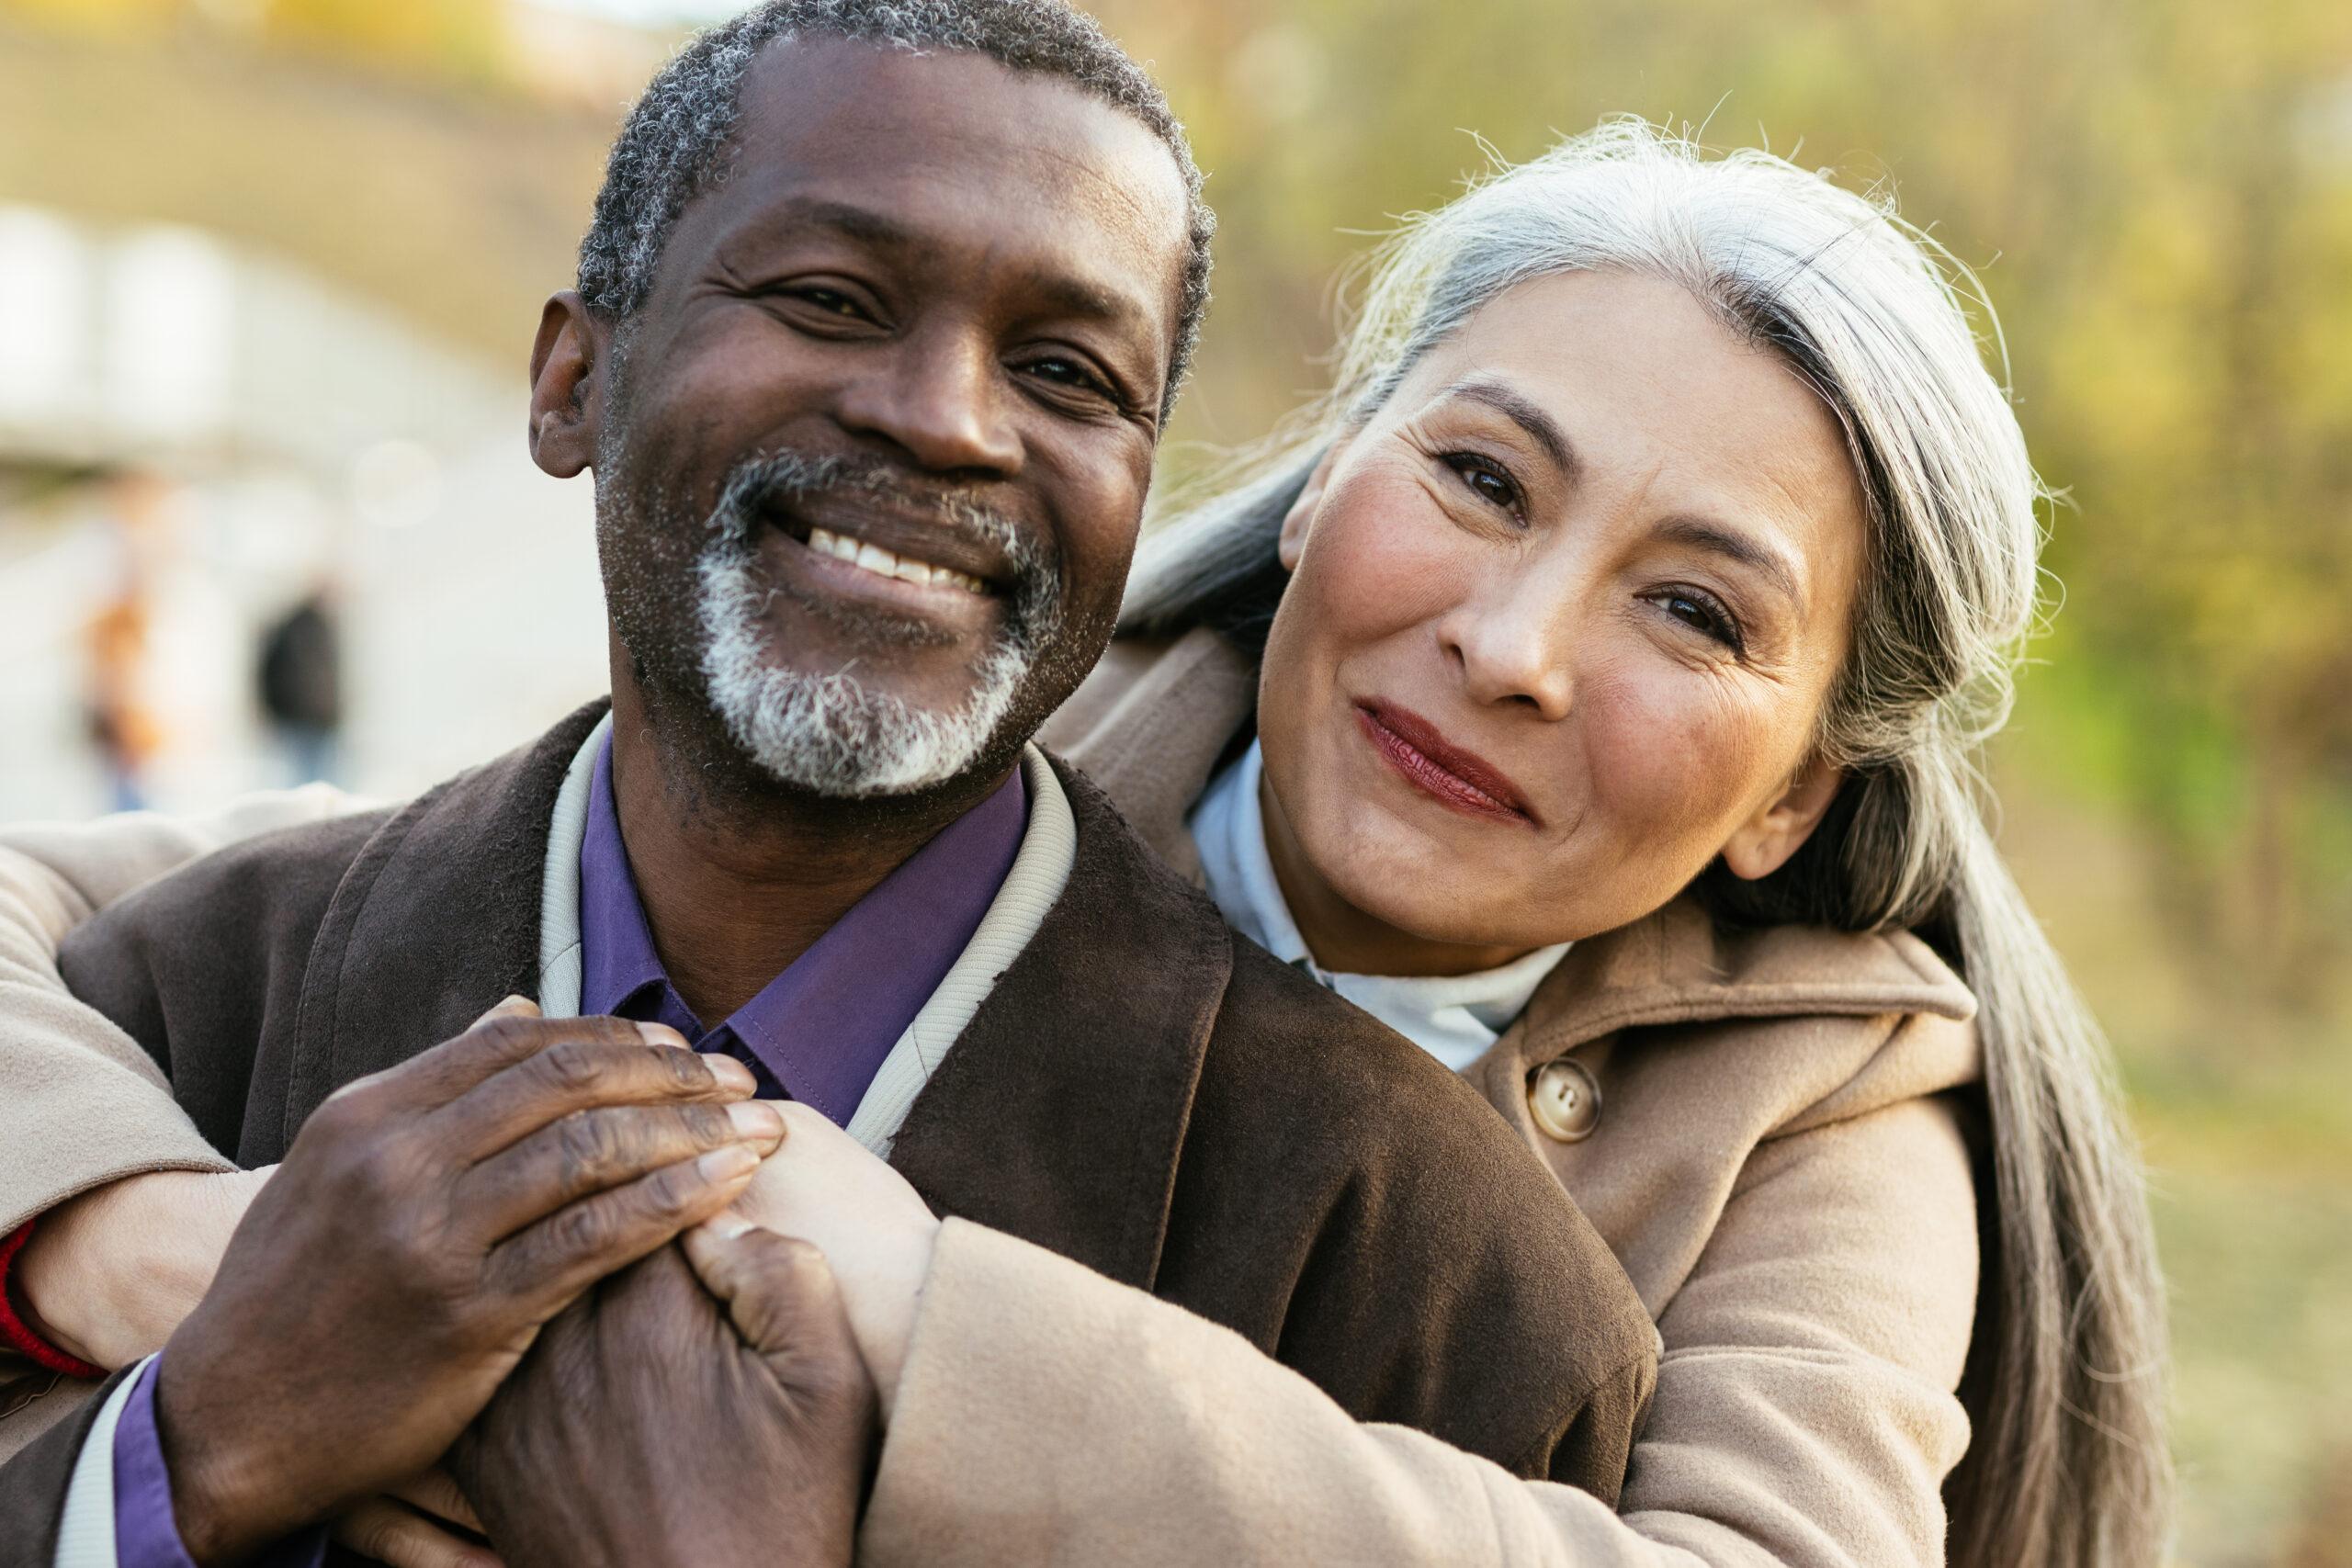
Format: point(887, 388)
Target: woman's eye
point(1702, 613)
point(1486, 478)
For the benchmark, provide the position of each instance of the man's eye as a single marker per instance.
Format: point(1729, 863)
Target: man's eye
point(829, 301)
point(1066, 372)
point(1486, 478)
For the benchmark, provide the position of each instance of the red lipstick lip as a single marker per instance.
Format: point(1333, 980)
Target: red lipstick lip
point(1440, 769)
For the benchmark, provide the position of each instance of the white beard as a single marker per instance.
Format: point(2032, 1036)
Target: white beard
point(828, 734)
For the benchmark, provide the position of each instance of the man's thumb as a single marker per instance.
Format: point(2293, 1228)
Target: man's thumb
point(779, 1290)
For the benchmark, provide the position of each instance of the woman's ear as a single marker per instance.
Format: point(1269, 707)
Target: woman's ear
point(567, 392)
point(1299, 521)
point(1763, 843)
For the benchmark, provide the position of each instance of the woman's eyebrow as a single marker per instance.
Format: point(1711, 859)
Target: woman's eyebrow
point(1524, 412)
point(1699, 534)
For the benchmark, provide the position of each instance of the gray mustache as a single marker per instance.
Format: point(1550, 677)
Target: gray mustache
point(761, 482)
point(1035, 605)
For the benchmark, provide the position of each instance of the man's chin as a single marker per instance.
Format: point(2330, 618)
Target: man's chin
point(935, 692)
point(834, 736)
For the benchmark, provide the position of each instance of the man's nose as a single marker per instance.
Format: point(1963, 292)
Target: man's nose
point(1514, 643)
point(940, 399)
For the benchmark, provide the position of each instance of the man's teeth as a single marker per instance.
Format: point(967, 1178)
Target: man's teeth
point(882, 563)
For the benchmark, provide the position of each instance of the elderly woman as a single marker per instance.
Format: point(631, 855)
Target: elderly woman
point(1590, 687)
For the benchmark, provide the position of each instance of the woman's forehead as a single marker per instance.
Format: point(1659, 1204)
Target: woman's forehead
point(1641, 378)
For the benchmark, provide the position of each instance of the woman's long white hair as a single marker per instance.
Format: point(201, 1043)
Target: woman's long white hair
point(2065, 1381)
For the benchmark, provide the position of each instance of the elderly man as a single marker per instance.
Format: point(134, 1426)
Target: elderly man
point(881, 314)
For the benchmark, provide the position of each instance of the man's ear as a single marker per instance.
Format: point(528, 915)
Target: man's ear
point(567, 386)
point(1763, 843)
point(1299, 521)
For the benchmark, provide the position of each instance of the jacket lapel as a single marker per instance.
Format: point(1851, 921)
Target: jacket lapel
point(1678, 966)
point(1152, 725)
point(436, 920)
point(1058, 1114)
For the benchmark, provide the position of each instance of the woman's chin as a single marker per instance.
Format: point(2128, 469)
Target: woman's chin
point(1451, 921)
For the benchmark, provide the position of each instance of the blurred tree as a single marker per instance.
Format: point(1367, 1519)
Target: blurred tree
point(2158, 194)
point(459, 37)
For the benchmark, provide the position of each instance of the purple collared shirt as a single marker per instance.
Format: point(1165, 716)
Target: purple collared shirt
point(818, 1034)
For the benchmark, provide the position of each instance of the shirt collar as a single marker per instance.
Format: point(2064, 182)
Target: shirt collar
point(823, 1025)
point(1453, 1017)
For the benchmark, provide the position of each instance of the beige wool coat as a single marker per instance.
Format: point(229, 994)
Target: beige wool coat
point(1778, 1160)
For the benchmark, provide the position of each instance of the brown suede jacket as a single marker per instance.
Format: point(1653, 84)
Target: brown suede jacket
point(1141, 1092)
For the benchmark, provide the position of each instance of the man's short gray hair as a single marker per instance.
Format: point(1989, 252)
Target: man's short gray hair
point(677, 141)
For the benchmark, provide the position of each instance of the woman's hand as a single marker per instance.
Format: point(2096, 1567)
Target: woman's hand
point(824, 1186)
point(109, 1274)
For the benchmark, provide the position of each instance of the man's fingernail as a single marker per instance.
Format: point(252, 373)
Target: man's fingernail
point(660, 1034)
point(758, 1120)
point(730, 1073)
point(726, 1226)
point(727, 1164)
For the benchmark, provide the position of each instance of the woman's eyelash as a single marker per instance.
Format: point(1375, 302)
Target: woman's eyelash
point(1713, 617)
point(1473, 466)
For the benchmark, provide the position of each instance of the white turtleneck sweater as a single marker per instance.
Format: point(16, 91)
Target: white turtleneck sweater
point(1454, 1017)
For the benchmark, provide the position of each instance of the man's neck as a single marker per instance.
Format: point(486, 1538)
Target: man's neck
point(739, 877)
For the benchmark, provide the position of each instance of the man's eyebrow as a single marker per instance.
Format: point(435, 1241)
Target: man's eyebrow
point(1076, 296)
point(1524, 412)
point(1766, 561)
point(855, 222)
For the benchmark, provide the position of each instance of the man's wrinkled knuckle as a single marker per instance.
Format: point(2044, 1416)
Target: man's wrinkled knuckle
point(509, 1036)
point(707, 1126)
point(571, 1067)
point(685, 1071)
point(588, 1147)
point(585, 1230)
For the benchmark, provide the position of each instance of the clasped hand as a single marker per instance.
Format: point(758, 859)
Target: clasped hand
point(426, 1229)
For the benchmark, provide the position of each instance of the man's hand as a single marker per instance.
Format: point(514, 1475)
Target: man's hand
point(716, 1414)
point(109, 1274)
point(423, 1523)
point(425, 1224)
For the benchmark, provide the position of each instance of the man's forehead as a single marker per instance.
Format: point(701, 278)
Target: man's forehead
point(948, 149)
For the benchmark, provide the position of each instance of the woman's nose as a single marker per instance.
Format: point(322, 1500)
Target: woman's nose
point(1513, 648)
point(939, 400)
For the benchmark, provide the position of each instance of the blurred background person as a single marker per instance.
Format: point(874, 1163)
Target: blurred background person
point(299, 682)
point(124, 729)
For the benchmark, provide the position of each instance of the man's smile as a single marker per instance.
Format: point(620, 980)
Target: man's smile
point(873, 558)
point(929, 568)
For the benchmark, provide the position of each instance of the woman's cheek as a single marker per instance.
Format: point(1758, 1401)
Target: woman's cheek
point(1382, 557)
point(1670, 760)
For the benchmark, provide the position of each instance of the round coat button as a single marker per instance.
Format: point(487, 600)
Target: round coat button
point(1564, 1101)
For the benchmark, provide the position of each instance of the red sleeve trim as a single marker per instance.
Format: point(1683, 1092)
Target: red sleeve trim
point(17, 1335)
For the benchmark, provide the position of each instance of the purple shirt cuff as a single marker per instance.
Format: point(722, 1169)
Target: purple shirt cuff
point(145, 1533)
